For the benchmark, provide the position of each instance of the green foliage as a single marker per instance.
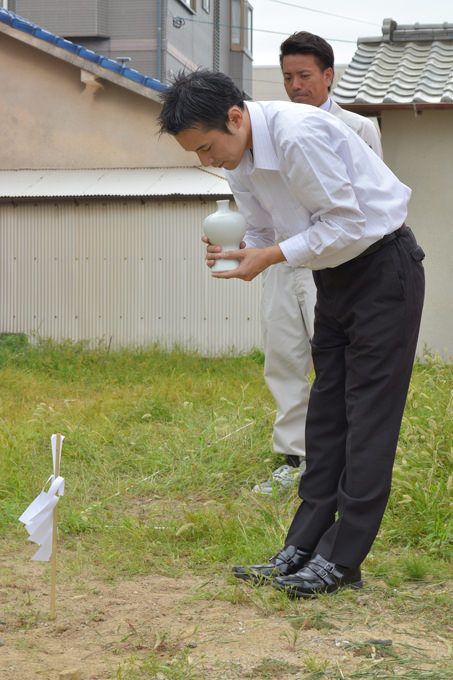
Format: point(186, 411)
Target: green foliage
point(419, 513)
point(162, 449)
point(156, 666)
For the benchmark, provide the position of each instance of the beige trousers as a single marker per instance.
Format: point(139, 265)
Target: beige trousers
point(287, 311)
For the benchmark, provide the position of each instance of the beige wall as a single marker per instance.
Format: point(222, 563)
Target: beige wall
point(268, 83)
point(419, 149)
point(49, 119)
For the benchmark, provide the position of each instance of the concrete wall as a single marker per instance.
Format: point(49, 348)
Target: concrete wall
point(241, 72)
point(192, 44)
point(419, 150)
point(51, 120)
point(268, 82)
point(132, 33)
point(192, 41)
point(113, 28)
point(68, 18)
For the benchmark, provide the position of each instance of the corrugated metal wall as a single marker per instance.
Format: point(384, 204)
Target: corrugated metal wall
point(127, 272)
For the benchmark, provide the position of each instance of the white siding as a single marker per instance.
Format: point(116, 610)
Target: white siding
point(126, 272)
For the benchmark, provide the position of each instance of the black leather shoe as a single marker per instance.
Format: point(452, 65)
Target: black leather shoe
point(319, 576)
point(287, 561)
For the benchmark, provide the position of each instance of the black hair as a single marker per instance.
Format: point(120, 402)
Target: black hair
point(199, 99)
point(308, 43)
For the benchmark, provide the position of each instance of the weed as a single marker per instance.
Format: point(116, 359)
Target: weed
point(314, 664)
point(161, 451)
point(273, 669)
point(153, 666)
point(319, 620)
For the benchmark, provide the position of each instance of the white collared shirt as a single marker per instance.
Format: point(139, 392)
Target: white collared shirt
point(363, 126)
point(314, 186)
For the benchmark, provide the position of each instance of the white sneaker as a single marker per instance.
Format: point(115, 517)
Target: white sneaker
point(283, 477)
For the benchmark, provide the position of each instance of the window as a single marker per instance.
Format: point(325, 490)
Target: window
point(241, 26)
point(206, 5)
point(190, 4)
point(236, 24)
point(248, 23)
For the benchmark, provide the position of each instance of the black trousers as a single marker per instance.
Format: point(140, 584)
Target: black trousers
point(367, 318)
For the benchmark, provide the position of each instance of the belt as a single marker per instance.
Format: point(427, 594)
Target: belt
point(382, 242)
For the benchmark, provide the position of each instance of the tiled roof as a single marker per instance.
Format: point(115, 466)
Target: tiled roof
point(21, 24)
point(407, 65)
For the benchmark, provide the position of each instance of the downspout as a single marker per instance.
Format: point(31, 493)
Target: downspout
point(216, 37)
point(159, 40)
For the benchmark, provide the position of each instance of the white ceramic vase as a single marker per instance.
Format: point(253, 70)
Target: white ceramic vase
point(225, 228)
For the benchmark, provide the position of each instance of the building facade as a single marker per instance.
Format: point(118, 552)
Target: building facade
point(405, 78)
point(155, 37)
point(100, 216)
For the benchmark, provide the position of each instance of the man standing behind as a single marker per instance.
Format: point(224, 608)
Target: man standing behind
point(287, 306)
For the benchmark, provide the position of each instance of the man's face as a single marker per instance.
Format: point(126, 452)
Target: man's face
point(305, 82)
point(215, 147)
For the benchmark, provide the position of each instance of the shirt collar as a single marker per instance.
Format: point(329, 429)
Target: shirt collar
point(264, 156)
point(327, 104)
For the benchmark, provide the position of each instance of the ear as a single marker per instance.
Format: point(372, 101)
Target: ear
point(328, 76)
point(235, 117)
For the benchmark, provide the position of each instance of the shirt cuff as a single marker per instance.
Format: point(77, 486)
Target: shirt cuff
point(296, 251)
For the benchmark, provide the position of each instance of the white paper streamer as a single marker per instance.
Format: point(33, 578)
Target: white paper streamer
point(53, 443)
point(38, 517)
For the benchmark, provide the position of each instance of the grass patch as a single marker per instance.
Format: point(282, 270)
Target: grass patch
point(161, 451)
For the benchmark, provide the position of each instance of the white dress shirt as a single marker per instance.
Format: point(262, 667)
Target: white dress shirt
point(314, 186)
point(363, 126)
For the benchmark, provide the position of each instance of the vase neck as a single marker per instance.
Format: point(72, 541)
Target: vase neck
point(223, 206)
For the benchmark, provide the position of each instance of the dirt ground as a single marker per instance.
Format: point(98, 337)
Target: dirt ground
point(100, 626)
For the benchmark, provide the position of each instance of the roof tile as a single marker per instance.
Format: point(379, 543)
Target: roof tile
point(393, 70)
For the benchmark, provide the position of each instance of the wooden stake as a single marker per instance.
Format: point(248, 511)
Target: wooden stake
point(53, 563)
